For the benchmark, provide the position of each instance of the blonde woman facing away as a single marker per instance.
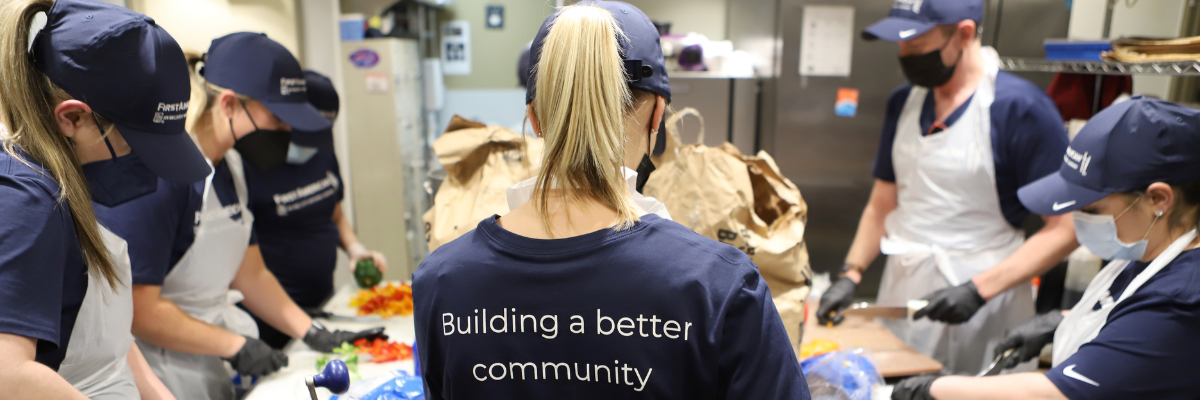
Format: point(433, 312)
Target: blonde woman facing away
point(580, 293)
point(84, 127)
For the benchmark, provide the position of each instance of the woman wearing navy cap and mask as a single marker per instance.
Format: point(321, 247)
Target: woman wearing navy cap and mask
point(52, 309)
point(579, 292)
point(1132, 179)
point(298, 215)
point(191, 246)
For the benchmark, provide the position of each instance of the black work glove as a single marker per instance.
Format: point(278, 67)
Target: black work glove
point(323, 340)
point(952, 305)
point(839, 296)
point(317, 312)
point(1028, 338)
point(257, 358)
point(915, 388)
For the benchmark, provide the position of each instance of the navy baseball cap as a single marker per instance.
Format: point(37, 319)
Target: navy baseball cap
point(129, 70)
point(1126, 147)
point(912, 18)
point(324, 97)
point(644, 64)
point(253, 65)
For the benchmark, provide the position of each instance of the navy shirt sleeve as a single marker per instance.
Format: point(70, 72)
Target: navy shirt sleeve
point(752, 364)
point(883, 169)
point(33, 262)
point(1150, 353)
point(1028, 140)
point(150, 225)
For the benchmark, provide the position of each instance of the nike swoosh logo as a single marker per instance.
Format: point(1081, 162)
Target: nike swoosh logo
point(1058, 206)
point(905, 34)
point(1069, 371)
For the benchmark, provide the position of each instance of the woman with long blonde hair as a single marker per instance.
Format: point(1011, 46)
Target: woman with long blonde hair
point(579, 292)
point(84, 126)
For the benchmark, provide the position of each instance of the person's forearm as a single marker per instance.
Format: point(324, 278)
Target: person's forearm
point(1039, 254)
point(346, 233)
point(162, 323)
point(21, 377)
point(266, 298)
point(1028, 386)
point(148, 384)
point(865, 247)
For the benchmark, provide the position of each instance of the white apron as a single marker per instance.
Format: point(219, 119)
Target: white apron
point(948, 227)
point(521, 192)
point(95, 362)
point(199, 284)
point(1083, 324)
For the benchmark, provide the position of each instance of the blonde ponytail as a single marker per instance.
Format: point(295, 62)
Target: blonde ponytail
point(28, 102)
point(581, 102)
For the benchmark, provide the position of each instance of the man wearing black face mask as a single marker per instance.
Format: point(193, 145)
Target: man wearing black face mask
point(957, 143)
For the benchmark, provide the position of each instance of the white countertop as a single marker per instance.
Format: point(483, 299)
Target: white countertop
point(288, 383)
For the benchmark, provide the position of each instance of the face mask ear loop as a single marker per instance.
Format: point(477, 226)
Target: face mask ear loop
point(104, 136)
point(653, 130)
point(110, 148)
point(247, 110)
point(1129, 208)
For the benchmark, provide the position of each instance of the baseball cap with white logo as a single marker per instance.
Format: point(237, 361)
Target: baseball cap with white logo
point(128, 70)
point(253, 65)
point(912, 18)
point(1126, 147)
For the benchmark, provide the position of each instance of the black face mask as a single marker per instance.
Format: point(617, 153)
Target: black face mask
point(118, 180)
point(927, 69)
point(262, 148)
point(646, 167)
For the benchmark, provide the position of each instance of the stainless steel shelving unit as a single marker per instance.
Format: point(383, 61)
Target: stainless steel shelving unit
point(1180, 68)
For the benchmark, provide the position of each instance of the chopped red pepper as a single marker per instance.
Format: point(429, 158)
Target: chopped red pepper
point(382, 351)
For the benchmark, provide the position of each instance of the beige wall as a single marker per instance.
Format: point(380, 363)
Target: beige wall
point(195, 23)
point(494, 52)
point(705, 17)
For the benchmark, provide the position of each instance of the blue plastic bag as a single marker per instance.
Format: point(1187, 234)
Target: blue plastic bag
point(846, 374)
point(398, 385)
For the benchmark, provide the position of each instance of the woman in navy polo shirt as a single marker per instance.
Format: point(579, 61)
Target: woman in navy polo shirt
point(192, 247)
point(579, 292)
point(298, 215)
point(1132, 178)
point(52, 308)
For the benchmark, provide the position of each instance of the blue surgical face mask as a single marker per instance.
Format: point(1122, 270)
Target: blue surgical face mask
point(300, 154)
point(1098, 232)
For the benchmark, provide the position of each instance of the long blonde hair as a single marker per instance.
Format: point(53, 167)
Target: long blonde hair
point(29, 100)
point(581, 102)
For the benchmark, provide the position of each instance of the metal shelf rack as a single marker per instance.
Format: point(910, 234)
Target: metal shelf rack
point(1180, 68)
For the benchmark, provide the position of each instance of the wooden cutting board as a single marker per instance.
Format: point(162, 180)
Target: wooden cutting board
point(891, 355)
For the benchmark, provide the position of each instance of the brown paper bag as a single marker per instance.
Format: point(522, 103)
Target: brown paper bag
point(740, 200)
point(481, 162)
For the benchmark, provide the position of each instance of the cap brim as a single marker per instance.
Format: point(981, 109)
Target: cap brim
point(300, 116)
point(172, 157)
point(1054, 195)
point(894, 29)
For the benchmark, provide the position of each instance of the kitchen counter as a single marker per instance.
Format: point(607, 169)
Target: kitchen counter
point(892, 357)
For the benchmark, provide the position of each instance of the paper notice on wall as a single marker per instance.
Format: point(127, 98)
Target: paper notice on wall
point(826, 40)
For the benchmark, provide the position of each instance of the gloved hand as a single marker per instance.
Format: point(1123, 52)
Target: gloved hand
point(953, 305)
point(317, 312)
point(323, 340)
point(256, 358)
point(358, 252)
point(915, 388)
point(1028, 338)
point(839, 296)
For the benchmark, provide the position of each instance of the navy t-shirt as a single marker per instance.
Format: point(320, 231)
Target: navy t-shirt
point(43, 277)
point(1028, 137)
point(1148, 348)
point(161, 226)
point(655, 311)
point(293, 218)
